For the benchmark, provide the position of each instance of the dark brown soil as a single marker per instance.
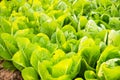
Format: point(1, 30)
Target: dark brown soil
point(9, 75)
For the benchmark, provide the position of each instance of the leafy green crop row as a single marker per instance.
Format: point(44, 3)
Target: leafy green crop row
point(61, 39)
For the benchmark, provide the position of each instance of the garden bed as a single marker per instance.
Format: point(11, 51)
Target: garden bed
point(9, 74)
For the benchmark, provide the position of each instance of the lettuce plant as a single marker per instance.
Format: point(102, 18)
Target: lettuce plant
point(61, 39)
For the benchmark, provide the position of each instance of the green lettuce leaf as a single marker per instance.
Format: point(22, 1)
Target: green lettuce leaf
point(43, 71)
point(113, 38)
point(111, 65)
point(5, 25)
point(10, 43)
point(110, 52)
point(62, 68)
point(60, 37)
point(41, 39)
point(39, 55)
point(89, 75)
point(19, 60)
point(29, 73)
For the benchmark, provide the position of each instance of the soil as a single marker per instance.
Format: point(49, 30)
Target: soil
point(9, 75)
